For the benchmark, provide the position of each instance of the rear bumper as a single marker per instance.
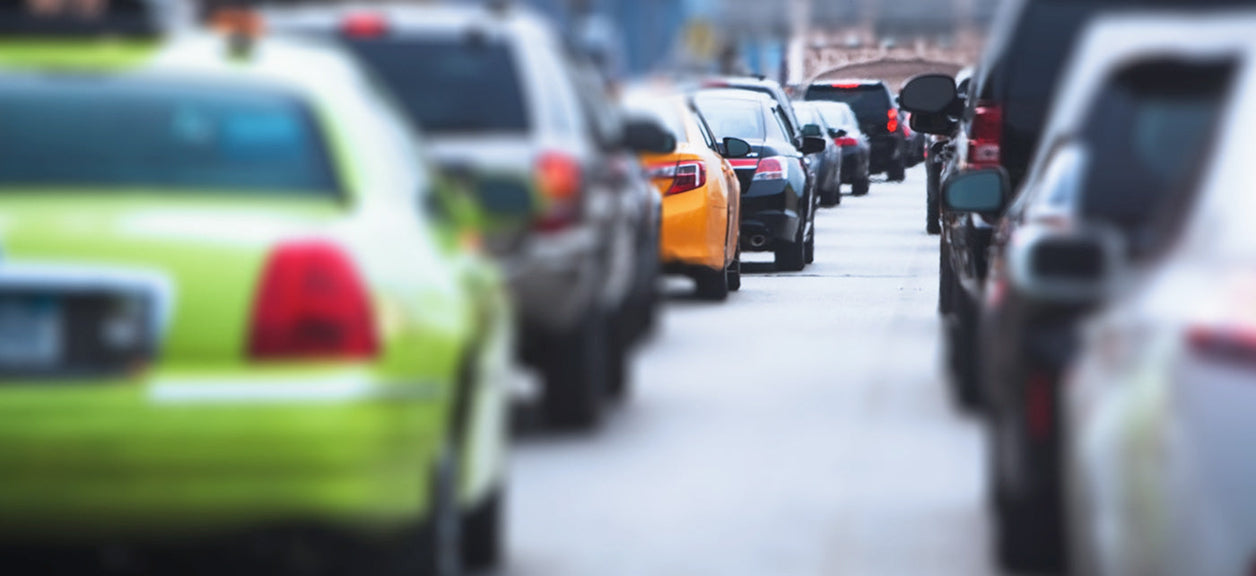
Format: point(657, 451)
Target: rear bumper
point(769, 215)
point(695, 230)
point(886, 150)
point(854, 165)
point(178, 456)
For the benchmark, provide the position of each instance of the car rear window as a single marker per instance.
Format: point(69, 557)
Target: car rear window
point(450, 85)
point(82, 132)
point(870, 102)
point(730, 118)
point(1148, 134)
point(837, 116)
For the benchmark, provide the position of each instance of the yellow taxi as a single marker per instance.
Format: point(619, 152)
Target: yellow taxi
point(701, 195)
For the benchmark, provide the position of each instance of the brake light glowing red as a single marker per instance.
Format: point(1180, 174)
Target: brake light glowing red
point(892, 122)
point(311, 304)
point(772, 169)
point(846, 142)
point(559, 179)
point(846, 86)
point(985, 148)
point(364, 25)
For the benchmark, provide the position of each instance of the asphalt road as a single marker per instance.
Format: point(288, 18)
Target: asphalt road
point(799, 429)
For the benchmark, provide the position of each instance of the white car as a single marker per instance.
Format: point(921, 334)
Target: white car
point(1159, 412)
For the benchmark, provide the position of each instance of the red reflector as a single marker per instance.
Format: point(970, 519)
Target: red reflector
point(1039, 406)
point(364, 25)
point(559, 179)
point(744, 162)
point(311, 304)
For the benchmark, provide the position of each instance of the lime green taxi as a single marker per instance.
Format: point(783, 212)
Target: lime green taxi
point(233, 297)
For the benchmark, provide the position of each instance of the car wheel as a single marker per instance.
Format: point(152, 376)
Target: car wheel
point(961, 347)
point(933, 215)
point(837, 192)
point(832, 196)
point(734, 272)
point(861, 186)
point(792, 256)
point(713, 285)
point(482, 536)
point(897, 171)
point(1024, 539)
point(576, 374)
point(618, 346)
point(811, 246)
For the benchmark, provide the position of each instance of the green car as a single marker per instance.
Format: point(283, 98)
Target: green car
point(233, 300)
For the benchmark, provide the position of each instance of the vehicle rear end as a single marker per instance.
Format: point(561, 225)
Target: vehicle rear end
point(695, 223)
point(771, 177)
point(489, 92)
point(194, 335)
point(877, 113)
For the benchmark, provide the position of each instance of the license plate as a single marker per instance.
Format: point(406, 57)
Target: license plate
point(30, 333)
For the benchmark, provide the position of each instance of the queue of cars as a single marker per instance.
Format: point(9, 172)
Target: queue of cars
point(265, 283)
point(1091, 230)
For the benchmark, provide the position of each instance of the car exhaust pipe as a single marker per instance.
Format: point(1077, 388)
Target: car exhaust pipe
point(758, 241)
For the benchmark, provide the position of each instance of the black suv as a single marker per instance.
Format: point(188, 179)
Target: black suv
point(875, 106)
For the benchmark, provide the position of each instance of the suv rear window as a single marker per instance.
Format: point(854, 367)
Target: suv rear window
point(450, 85)
point(130, 134)
point(870, 102)
point(1148, 134)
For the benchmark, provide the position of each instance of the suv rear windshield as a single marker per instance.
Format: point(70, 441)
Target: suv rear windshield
point(450, 85)
point(1149, 133)
point(870, 102)
point(143, 134)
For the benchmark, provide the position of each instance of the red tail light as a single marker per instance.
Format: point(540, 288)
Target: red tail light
point(744, 162)
point(846, 86)
point(892, 122)
point(559, 178)
point(685, 176)
point(364, 25)
point(311, 304)
point(846, 142)
point(985, 148)
point(772, 169)
point(1231, 344)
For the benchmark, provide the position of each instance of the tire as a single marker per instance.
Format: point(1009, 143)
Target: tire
point(734, 273)
point(933, 208)
point(575, 369)
point(791, 256)
point(897, 171)
point(962, 351)
point(482, 534)
point(713, 285)
point(861, 186)
point(1026, 534)
point(832, 196)
point(618, 346)
point(811, 246)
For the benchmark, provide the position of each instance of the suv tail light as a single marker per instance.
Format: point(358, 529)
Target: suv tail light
point(364, 25)
point(311, 304)
point(772, 168)
point(891, 124)
point(846, 142)
point(685, 176)
point(985, 147)
point(559, 178)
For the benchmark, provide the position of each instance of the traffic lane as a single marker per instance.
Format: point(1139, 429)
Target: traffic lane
point(799, 428)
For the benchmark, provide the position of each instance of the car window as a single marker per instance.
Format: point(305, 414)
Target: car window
point(1148, 134)
point(869, 102)
point(777, 130)
point(72, 132)
point(449, 85)
point(707, 137)
point(734, 118)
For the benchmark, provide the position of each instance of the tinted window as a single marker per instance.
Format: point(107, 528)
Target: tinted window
point(450, 85)
point(1148, 134)
point(734, 118)
point(68, 133)
point(871, 103)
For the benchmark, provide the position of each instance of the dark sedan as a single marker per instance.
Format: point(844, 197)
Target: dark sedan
point(826, 166)
point(777, 205)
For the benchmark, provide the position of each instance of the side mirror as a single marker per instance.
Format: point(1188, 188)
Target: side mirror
point(813, 145)
point(1072, 267)
point(812, 130)
point(940, 124)
point(980, 192)
point(736, 148)
point(647, 136)
point(929, 94)
point(838, 133)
